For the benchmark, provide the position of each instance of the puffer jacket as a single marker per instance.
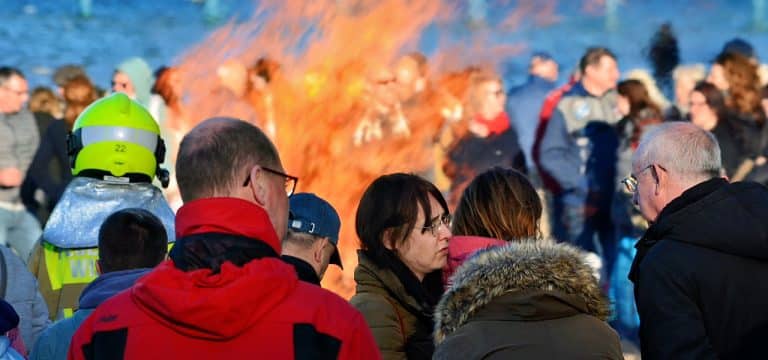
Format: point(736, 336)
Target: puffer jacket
point(526, 300)
point(394, 317)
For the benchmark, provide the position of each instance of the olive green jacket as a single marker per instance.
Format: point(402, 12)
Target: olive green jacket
point(391, 313)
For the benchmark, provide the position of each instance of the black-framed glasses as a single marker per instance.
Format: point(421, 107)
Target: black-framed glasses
point(630, 182)
point(290, 180)
point(434, 228)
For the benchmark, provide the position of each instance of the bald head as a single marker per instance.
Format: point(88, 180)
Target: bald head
point(215, 157)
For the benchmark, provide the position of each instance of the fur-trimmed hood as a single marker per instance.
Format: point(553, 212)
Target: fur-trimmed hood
point(531, 269)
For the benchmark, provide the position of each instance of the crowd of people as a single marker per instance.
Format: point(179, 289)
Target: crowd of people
point(544, 220)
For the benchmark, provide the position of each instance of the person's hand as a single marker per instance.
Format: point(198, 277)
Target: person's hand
point(11, 177)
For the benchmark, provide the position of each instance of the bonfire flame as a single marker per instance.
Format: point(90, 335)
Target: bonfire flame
point(316, 99)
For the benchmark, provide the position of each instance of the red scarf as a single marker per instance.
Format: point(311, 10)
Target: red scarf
point(497, 125)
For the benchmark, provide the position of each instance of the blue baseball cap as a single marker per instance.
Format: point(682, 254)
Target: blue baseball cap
point(312, 215)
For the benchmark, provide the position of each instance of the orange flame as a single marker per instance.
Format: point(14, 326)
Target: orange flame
point(321, 92)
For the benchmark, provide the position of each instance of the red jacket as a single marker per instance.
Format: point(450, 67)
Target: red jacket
point(259, 310)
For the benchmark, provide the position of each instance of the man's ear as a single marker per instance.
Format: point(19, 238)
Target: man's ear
point(258, 185)
point(318, 249)
point(98, 267)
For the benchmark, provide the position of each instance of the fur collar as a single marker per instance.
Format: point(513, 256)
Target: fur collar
point(517, 267)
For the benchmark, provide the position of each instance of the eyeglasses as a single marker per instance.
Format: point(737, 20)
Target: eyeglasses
point(444, 219)
point(290, 181)
point(630, 182)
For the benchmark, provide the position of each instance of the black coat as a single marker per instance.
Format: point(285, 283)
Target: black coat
point(700, 275)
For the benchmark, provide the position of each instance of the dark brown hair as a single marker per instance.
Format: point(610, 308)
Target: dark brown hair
point(643, 112)
point(388, 211)
point(499, 203)
point(164, 88)
point(744, 81)
point(78, 94)
point(593, 56)
point(714, 98)
point(131, 238)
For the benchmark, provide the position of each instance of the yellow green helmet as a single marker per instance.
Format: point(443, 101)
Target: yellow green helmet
point(116, 138)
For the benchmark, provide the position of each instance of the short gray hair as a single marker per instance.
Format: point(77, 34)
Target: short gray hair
point(685, 150)
point(302, 240)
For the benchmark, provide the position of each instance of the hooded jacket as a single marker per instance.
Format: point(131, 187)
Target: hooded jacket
point(700, 275)
point(460, 248)
point(53, 343)
point(241, 308)
point(526, 300)
point(141, 77)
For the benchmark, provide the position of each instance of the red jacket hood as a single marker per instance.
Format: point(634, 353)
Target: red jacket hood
point(461, 247)
point(219, 306)
point(226, 216)
point(214, 306)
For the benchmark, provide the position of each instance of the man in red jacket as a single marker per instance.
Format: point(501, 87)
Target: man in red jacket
point(225, 293)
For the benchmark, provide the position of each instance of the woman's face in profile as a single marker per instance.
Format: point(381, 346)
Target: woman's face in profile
point(426, 248)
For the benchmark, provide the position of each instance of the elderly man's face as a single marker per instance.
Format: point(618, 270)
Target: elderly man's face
point(646, 196)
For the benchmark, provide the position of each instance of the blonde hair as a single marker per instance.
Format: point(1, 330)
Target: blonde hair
point(474, 96)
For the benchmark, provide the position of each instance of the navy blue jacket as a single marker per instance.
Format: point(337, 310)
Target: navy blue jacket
point(577, 139)
point(524, 106)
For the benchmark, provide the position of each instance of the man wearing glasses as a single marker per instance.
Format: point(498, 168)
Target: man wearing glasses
point(19, 140)
point(701, 268)
point(226, 293)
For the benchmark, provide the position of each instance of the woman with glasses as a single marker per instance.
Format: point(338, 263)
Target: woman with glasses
point(484, 137)
point(521, 297)
point(404, 227)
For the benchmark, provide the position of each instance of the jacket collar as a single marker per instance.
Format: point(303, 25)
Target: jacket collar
point(303, 269)
point(226, 216)
point(526, 267)
point(668, 218)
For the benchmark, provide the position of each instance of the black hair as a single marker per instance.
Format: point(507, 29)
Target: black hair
point(131, 238)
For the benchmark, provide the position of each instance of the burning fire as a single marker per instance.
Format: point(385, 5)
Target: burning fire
point(331, 69)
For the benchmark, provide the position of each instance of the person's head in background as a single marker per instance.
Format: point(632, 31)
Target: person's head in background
point(485, 101)
point(64, 74)
point(134, 78)
point(14, 90)
point(411, 73)
point(131, 239)
point(599, 70)
point(501, 204)
point(544, 66)
point(685, 78)
point(313, 232)
point(707, 106)
point(43, 100)
point(737, 77)
point(168, 86)
point(78, 93)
